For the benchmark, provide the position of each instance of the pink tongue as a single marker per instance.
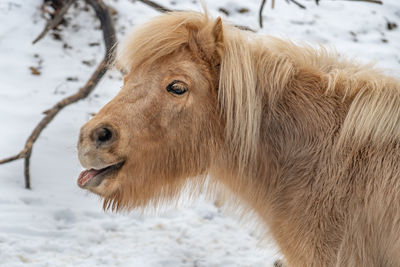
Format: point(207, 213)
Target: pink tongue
point(87, 175)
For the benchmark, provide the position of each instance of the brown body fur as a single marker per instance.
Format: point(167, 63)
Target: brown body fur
point(309, 141)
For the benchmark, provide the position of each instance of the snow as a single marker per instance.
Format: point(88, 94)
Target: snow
point(58, 224)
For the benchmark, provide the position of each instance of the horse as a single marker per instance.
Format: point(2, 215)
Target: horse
point(305, 138)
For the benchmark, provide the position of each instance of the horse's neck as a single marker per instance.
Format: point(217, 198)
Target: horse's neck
point(299, 123)
point(294, 181)
point(297, 138)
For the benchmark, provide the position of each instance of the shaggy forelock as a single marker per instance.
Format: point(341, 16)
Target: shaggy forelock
point(158, 38)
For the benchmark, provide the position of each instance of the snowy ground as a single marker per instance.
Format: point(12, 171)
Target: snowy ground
point(56, 223)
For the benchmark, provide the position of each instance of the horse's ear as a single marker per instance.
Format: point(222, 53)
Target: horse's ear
point(208, 42)
point(218, 32)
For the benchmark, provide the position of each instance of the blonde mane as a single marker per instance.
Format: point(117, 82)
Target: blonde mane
point(257, 69)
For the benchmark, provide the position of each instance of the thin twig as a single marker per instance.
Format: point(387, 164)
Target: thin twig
point(368, 1)
point(163, 9)
point(298, 4)
point(158, 7)
point(260, 18)
point(20, 155)
point(244, 28)
point(107, 27)
point(52, 23)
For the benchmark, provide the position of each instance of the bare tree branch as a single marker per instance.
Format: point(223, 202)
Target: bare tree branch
point(368, 1)
point(52, 23)
point(244, 28)
point(109, 37)
point(163, 9)
point(20, 155)
point(158, 7)
point(260, 18)
point(298, 4)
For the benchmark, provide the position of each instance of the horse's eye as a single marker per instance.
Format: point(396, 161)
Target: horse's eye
point(177, 87)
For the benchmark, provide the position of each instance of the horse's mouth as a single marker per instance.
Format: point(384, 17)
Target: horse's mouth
point(93, 178)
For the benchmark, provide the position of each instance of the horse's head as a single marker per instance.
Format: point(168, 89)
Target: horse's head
point(164, 125)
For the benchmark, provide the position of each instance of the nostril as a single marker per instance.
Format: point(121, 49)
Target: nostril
point(104, 135)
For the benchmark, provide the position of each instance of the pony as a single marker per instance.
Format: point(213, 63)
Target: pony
point(308, 140)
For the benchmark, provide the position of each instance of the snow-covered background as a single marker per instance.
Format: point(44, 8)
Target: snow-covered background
point(56, 223)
